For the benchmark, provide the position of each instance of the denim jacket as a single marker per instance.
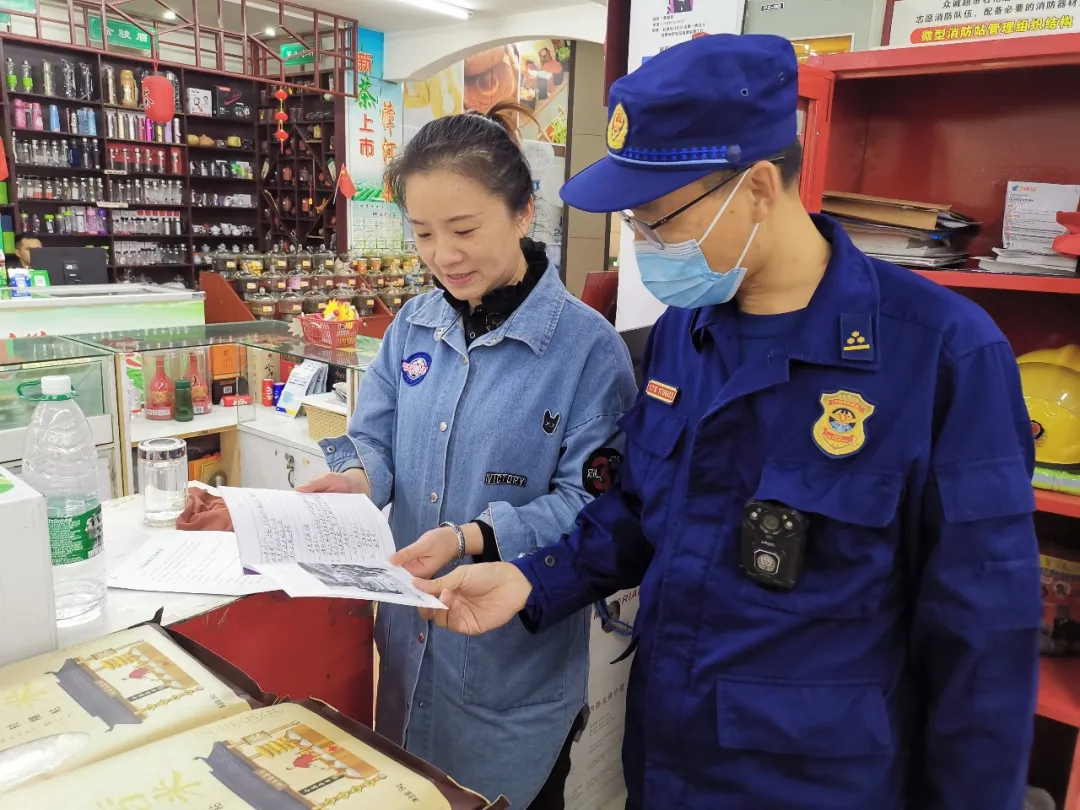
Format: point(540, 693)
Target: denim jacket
point(502, 430)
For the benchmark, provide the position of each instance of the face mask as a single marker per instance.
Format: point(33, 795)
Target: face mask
point(679, 275)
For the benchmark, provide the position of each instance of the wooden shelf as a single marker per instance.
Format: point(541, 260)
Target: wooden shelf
point(1069, 285)
point(1058, 503)
point(136, 142)
point(1059, 690)
point(48, 133)
point(54, 99)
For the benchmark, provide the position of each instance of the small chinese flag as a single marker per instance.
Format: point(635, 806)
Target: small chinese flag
point(345, 185)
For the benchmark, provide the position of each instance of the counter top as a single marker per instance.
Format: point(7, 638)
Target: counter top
point(124, 532)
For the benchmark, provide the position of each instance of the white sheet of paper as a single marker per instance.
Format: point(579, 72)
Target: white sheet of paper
point(373, 583)
point(188, 562)
point(278, 526)
point(323, 544)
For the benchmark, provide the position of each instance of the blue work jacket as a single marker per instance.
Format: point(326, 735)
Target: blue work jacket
point(501, 431)
point(900, 671)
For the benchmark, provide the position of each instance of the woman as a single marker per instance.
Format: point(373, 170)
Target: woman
point(484, 419)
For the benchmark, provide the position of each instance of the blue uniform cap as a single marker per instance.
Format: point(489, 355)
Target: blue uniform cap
point(718, 102)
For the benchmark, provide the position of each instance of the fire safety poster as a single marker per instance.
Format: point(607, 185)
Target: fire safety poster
point(656, 25)
point(930, 22)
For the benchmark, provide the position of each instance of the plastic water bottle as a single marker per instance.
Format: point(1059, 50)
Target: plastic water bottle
point(61, 463)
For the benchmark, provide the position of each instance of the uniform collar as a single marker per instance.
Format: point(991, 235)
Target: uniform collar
point(533, 322)
point(841, 323)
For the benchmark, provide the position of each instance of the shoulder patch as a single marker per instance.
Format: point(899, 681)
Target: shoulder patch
point(601, 471)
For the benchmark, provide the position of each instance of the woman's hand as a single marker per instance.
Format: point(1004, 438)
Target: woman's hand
point(478, 598)
point(437, 549)
point(353, 482)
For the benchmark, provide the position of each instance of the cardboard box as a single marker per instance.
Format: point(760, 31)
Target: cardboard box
point(199, 102)
point(1061, 600)
point(27, 608)
point(226, 361)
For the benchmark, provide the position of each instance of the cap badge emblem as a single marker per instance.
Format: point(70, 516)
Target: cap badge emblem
point(618, 128)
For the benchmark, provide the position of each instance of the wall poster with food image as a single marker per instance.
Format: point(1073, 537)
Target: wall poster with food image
point(434, 97)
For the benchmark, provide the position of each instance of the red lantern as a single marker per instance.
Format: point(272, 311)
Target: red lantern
point(280, 95)
point(281, 116)
point(159, 102)
point(281, 135)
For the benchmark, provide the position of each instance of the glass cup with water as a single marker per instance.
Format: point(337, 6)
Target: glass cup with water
point(163, 479)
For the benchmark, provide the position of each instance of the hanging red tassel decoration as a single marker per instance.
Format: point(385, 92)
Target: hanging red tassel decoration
point(281, 116)
point(158, 99)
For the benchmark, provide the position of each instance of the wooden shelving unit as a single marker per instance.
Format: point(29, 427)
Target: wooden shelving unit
point(191, 211)
point(298, 174)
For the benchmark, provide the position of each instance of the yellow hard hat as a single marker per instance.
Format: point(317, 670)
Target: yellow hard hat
point(1051, 382)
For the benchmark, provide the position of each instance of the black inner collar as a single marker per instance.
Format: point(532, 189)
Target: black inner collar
point(500, 304)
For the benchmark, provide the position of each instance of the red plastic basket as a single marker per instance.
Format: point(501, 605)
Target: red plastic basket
point(334, 334)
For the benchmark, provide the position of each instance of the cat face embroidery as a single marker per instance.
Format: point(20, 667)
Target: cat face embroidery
point(551, 422)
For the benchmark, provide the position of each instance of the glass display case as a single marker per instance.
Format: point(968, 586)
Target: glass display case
point(212, 401)
point(92, 372)
point(228, 408)
point(280, 451)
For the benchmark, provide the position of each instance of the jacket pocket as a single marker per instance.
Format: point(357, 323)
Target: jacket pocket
point(510, 668)
point(851, 542)
point(791, 719)
point(653, 436)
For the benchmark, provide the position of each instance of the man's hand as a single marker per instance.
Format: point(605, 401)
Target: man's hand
point(478, 598)
point(353, 482)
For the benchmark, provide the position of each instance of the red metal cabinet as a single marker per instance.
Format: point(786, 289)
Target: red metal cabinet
point(953, 124)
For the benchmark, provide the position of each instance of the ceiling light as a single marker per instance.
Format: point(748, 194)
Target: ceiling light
point(169, 16)
point(440, 7)
point(269, 30)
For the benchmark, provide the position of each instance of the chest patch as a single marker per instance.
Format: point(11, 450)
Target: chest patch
point(506, 480)
point(415, 367)
point(665, 393)
point(551, 422)
point(841, 429)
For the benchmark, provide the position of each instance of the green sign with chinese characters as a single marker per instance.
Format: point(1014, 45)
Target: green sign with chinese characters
point(296, 53)
point(121, 34)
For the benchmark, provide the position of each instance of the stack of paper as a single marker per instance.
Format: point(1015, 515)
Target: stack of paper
point(901, 231)
point(1029, 229)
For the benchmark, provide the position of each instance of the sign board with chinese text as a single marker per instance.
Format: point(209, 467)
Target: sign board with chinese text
point(656, 25)
point(121, 34)
point(926, 22)
point(296, 53)
point(370, 47)
point(373, 121)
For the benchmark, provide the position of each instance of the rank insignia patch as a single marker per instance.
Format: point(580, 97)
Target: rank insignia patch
point(841, 429)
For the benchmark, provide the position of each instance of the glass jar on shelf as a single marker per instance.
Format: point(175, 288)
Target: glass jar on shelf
point(315, 302)
point(224, 262)
point(251, 262)
point(364, 303)
point(262, 306)
point(392, 297)
point(290, 306)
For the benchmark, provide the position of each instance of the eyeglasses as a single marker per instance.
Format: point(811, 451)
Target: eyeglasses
point(648, 230)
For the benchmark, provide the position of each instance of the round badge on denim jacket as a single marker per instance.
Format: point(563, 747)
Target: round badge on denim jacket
point(415, 367)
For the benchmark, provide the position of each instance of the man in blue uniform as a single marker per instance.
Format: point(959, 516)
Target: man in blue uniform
point(826, 493)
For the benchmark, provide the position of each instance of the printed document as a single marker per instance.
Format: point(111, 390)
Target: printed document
point(188, 562)
point(324, 544)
